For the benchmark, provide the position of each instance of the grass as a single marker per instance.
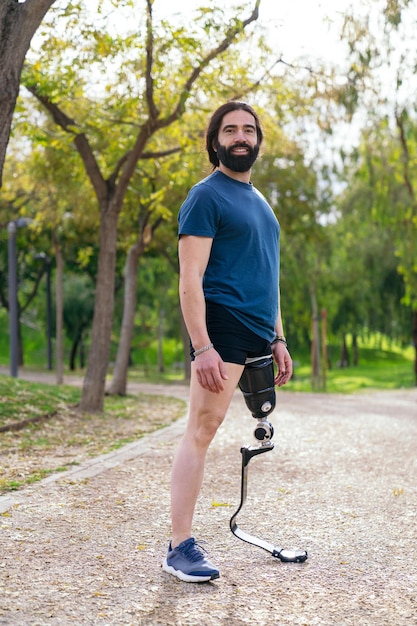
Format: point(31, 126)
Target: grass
point(63, 437)
point(22, 400)
point(377, 369)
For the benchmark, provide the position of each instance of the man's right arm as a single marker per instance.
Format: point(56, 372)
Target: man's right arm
point(194, 254)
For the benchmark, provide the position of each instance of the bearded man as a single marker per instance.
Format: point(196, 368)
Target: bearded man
point(229, 257)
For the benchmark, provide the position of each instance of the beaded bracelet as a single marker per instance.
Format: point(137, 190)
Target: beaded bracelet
point(203, 349)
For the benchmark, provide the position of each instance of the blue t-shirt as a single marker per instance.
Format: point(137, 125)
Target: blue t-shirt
point(242, 273)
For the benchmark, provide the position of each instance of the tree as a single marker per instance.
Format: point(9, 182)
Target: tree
point(152, 186)
point(292, 188)
point(61, 207)
point(388, 178)
point(162, 106)
point(78, 314)
point(383, 66)
point(18, 23)
point(157, 191)
point(29, 276)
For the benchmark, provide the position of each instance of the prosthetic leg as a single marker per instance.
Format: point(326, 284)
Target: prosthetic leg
point(258, 388)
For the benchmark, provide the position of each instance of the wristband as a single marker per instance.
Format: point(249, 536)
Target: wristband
point(203, 349)
point(279, 339)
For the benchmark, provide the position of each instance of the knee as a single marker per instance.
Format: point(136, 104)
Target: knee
point(204, 428)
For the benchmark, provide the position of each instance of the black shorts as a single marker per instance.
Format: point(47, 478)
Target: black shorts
point(234, 341)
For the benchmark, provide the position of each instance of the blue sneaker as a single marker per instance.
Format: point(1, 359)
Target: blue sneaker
point(188, 563)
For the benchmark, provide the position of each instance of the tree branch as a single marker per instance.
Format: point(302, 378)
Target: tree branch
point(158, 155)
point(3, 297)
point(131, 158)
point(153, 111)
point(79, 139)
point(215, 52)
point(406, 155)
point(34, 291)
point(145, 155)
point(253, 86)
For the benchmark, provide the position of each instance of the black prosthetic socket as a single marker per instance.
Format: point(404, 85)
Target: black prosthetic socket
point(258, 388)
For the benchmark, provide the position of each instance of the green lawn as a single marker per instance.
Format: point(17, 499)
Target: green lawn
point(22, 400)
point(377, 369)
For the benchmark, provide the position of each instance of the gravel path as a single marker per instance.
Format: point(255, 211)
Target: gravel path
point(85, 547)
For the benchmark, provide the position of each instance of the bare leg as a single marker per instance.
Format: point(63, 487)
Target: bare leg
point(207, 412)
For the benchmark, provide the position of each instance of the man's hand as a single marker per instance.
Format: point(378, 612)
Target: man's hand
point(210, 370)
point(284, 363)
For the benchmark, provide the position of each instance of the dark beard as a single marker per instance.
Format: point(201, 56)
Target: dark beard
point(237, 162)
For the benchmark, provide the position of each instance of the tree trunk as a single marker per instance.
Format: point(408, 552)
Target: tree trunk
point(18, 24)
point(82, 353)
point(324, 348)
point(73, 353)
point(355, 350)
point(344, 357)
point(59, 297)
point(161, 316)
point(20, 349)
point(119, 382)
point(92, 398)
point(315, 344)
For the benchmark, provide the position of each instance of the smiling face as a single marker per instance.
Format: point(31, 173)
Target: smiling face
point(237, 144)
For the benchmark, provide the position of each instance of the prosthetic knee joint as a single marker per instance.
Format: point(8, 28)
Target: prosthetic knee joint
point(258, 388)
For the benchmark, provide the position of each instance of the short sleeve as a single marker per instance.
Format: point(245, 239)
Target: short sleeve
point(199, 214)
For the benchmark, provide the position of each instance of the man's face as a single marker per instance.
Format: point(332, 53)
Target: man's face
point(237, 141)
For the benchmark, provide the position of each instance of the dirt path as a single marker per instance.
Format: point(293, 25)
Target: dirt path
point(85, 547)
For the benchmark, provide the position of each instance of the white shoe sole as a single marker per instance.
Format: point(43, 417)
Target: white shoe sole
point(186, 577)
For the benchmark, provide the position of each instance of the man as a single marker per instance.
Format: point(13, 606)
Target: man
point(229, 293)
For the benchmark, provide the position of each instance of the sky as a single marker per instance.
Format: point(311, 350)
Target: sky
point(296, 27)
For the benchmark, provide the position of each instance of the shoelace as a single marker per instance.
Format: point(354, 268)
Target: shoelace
point(193, 551)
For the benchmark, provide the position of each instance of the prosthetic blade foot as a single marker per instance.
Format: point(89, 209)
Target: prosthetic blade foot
point(285, 555)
